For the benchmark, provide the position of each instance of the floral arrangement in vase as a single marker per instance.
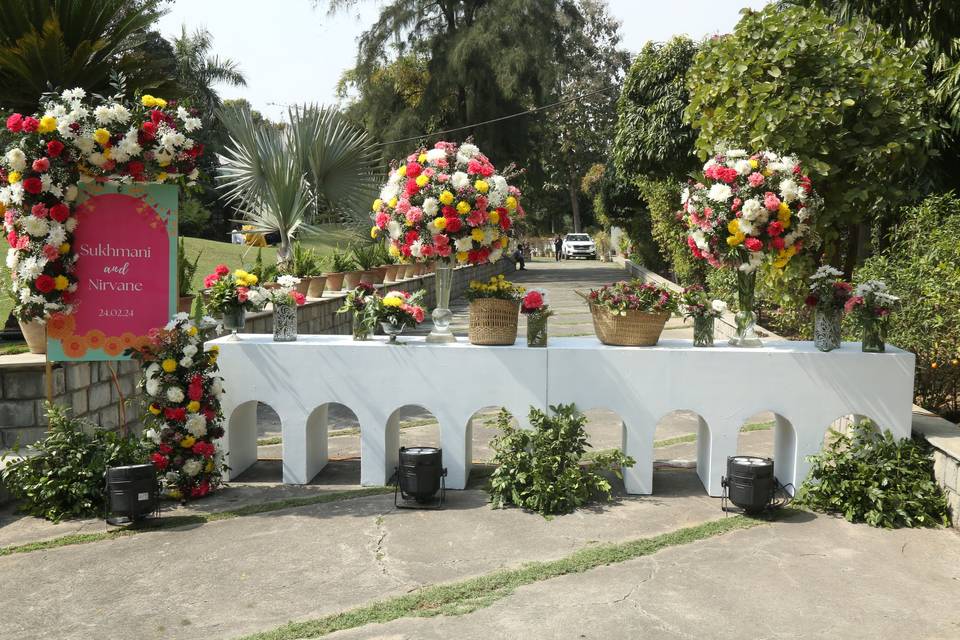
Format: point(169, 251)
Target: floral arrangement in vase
point(747, 209)
point(498, 287)
point(284, 294)
point(871, 305)
point(74, 140)
point(828, 297)
point(232, 294)
point(620, 297)
point(447, 202)
point(184, 417)
point(361, 302)
point(285, 298)
point(398, 309)
point(697, 305)
point(534, 306)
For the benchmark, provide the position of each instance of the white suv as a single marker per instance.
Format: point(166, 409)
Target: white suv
point(578, 245)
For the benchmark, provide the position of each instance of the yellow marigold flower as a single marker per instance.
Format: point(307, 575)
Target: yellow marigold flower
point(393, 202)
point(494, 217)
point(767, 172)
point(47, 124)
point(377, 204)
point(192, 331)
point(209, 467)
point(422, 180)
point(784, 208)
point(193, 406)
point(215, 348)
point(101, 136)
point(440, 223)
point(402, 171)
point(511, 203)
point(783, 215)
point(188, 442)
point(148, 100)
point(392, 301)
point(13, 177)
point(446, 198)
point(477, 234)
point(736, 239)
point(504, 241)
point(374, 232)
point(463, 207)
point(481, 186)
point(394, 251)
point(154, 409)
point(754, 163)
point(162, 176)
point(65, 248)
point(169, 365)
point(61, 283)
point(462, 256)
point(422, 158)
point(734, 226)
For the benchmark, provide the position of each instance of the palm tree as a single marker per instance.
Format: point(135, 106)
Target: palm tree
point(62, 44)
point(284, 179)
point(198, 71)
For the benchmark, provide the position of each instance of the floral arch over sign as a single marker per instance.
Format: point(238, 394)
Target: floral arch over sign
point(78, 139)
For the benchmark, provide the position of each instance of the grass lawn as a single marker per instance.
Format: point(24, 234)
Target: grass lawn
point(233, 255)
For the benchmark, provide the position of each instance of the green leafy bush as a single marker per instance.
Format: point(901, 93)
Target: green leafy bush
point(663, 202)
point(541, 470)
point(921, 265)
point(65, 477)
point(193, 218)
point(871, 477)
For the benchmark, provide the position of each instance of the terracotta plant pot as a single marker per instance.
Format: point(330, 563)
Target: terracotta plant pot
point(35, 335)
point(351, 279)
point(271, 285)
point(303, 285)
point(335, 281)
point(391, 273)
point(369, 276)
point(430, 267)
point(402, 270)
point(185, 304)
point(379, 275)
point(317, 284)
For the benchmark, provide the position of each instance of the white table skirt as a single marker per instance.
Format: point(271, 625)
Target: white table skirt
point(806, 390)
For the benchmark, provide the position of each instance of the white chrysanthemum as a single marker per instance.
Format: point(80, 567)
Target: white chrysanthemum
point(121, 114)
point(103, 114)
point(709, 163)
point(163, 157)
point(71, 193)
point(36, 227)
point(192, 467)
point(171, 477)
point(389, 192)
point(216, 387)
point(73, 95)
point(751, 209)
point(394, 228)
point(186, 362)
point(16, 159)
point(743, 167)
point(196, 425)
point(700, 239)
point(46, 183)
point(771, 156)
point(86, 145)
point(789, 190)
point(489, 235)
point(65, 127)
point(466, 152)
point(152, 387)
point(736, 153)
point(24, 295)
point(56, 110)
point(685, 196)
point(70, 224)
point(788, 163)
point(13, 259)
point(464, 244)
point(96, 158)
point(719, 306)
point(495, 255)
point(190, 350)
point(171, 140)
point(175, 394)
point(56, 235)
point(5, 195)
point(720, 192)
point(257, 297)
point(288, 281)
point(192, 124)
point(152, 435)
point(416, 249)
point(431, 206)
point(16, 193)
point(746, 226)
point(460, 180)
point(433, 155)
point(826, 271)
point(153, 370)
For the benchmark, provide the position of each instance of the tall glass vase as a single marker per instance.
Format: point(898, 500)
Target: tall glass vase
point(537, 329)
point(746, 321)
point(874, 335)
point(442, 316)
point(234, 318)
point(703, 331)
point(826, 329)
point(284, 323)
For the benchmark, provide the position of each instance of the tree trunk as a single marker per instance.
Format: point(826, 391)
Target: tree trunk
point(574, 204)
point(283, 252)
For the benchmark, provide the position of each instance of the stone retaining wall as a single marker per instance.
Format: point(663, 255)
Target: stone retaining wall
point(944, 437)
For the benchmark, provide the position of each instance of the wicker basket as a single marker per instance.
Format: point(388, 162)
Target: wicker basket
point(636, 329)
point(493, 321)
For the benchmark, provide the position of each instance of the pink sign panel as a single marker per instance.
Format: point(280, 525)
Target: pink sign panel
point(126, 273)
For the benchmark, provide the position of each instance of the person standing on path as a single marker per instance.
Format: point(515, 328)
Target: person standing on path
point(557, 246)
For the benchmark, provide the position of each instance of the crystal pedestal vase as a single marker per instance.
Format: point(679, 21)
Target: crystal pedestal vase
point(392, 330)
point(442, 316)
point(746, 321)
point(233, 320)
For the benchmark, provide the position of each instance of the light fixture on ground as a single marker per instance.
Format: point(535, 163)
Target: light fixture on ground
point(132, 493)
point(751, 485)
point(420, 475)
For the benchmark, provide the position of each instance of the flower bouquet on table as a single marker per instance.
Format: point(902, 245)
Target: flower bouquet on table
point(871, 305)
point(534, 306)
point(696, 304)
point(494, 311)
point(828, 298)
point(396, 310)
point(232, 294)
point(184, 417)
point(630, 314)
point(361, 302)
point(747, 210)
point(285, 299)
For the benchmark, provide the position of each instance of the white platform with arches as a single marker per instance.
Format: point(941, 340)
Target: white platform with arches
point(806, 390)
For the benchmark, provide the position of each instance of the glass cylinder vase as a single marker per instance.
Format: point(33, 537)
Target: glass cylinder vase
point(746, 321)
point(874, 335)
point(234, 317)
point(361, 328)
point(826, 329)
point(703, 331)
point(284, 322)
point(442, 316)
point(537, 329)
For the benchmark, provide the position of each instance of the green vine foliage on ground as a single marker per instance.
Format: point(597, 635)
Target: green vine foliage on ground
point(871, 477)
point(540, 469)
point(65, 477)
point(922, 266)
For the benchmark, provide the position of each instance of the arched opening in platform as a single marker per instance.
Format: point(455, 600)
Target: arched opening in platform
point(256, 455)
point(417, 426)
point(604, 428)
point(757, 434)
point(482, 429)
point(681, 451)
point(333, 434)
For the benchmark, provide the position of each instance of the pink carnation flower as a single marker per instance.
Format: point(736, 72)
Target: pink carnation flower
point(755, 179)
point(771, 201)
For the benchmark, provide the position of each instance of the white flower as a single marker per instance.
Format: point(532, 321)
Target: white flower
point(826, 271)
point(789, 190)
point(16, 193)
point(152, 371)
point(257, 296)
point(152, 435)
point(192, 467)
point(191, 124)
point(175, 394)
point(736, 153)
point(71, 193)
point(70, 224)
point(710, 163)
point(495, 255)
point(719, 306)
point(171, 140)
point(720, 192)
point(186, 362)
point(464, 244)
point(466, 152)
point(435, 154)
point(746, 226)
point(685, 195)
point(120, 113)
point(86, 145)
point(460, 180)
point(152, 387)
point(196, 425)
point(216, 387)
point(389, 192)
point(73, 95)
point(13, 258)
point(743, 167)
point(36, 227)
point(394, 228)
point(288, 281)
point(190, 350)
point(171, 477)
point(97, 159)
point(431, 206)
point(700, 239)
point(103, 114)
point(16, 159)
point(751, 209)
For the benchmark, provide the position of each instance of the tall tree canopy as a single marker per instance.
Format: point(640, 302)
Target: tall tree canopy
point(198, 70)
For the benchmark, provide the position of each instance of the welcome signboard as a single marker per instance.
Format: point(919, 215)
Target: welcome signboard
point(126, 242)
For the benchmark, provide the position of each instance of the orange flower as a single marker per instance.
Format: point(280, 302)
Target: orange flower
point(74, 346)
point(95, 339)
point(129, 340)
point(60, 325)
point(113, 346)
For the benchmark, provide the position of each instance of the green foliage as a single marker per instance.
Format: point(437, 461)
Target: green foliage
point(193, 218)
point(304, 262)
point(65, 478)
point(669, 233)
point(367, 255)
point(652, 139)
point(341, 261)
point(199, 71)
point(264, 272)
point(873, 478)
point(540, 469)
point(185, 269)
point(921, 266)
point(846, 99)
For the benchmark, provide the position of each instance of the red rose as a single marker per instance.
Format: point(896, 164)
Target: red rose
point(15, 123)
point(41, 164)
point(32, 185)
point(60, 212)
point(44, 283)
point(30, 125)
point(54, 148)
point(753, 244)
point(777, 243)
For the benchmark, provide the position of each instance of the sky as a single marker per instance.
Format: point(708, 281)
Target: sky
point(291, 52)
